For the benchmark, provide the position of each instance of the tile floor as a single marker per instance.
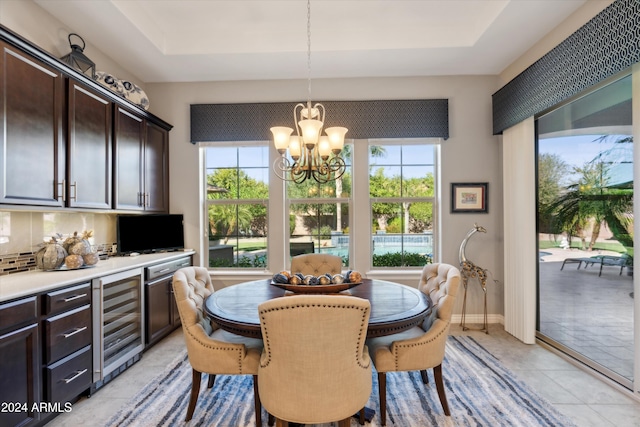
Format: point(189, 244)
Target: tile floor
point(580, 395)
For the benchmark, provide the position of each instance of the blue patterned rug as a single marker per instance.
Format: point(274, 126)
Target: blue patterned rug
point(480, 391)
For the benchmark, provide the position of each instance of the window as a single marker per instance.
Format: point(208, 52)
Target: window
point(237, 186)
point(394, 219)
point(401, 189)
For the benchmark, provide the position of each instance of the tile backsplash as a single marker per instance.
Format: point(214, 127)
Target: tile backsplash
point(22, 233)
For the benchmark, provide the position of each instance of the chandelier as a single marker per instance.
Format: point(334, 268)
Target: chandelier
point(314, 155)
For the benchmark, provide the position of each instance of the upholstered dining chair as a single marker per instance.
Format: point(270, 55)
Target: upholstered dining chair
point(210, 349)
point(316, 264)
point(421, 347)
point(315, 367)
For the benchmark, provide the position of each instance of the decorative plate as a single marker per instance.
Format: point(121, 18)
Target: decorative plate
point(315, 289)
point(110, 82)
point(136, 95)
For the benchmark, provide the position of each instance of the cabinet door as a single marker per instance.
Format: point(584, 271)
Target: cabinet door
point(89, 145)
point(32, 148)
point(159, 309)
point(128, 165)
point(20, 376)
point(156, 169)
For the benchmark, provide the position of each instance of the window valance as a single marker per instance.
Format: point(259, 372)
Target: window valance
point(423, 118)
point(606, 45)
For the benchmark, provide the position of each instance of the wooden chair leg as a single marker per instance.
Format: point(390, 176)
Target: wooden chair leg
point(361, 419)
point(195, 390)
point(256, 400)
point(437, 375)
point(382, 392)
point(344, 423)
point(212, 379)
point(281, 423)
point(271, 420)
point(425, 378)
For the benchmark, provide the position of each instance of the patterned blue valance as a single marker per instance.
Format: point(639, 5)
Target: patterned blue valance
point(606, 45)
point(423, 118)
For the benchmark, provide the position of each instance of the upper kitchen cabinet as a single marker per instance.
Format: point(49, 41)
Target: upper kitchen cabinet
point(32, 147)
point(89, 148)
point(156, 168)
point(141, 164)
point(67, 141)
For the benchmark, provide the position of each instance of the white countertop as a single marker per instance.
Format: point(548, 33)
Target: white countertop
point(32, 282)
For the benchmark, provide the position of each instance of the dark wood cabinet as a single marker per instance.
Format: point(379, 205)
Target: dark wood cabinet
point(141, 164)
point(128, 160)
point(89, 147)
point(66, 336)
point(68, 142)
point(156, 168)
point(20, 378)
point(32, 146)
point(161, 310)
point(162, 316)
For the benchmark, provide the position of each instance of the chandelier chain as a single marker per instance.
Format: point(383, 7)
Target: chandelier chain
point(309, 51)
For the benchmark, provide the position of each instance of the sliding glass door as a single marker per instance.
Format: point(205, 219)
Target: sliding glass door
point(585, 230)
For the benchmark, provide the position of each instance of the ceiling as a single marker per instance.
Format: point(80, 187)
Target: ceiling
point(215, 40)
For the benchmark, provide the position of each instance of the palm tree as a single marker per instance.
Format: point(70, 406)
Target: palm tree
point(591, 200)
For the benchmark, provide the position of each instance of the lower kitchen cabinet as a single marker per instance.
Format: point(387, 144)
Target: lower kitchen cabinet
point(162, 316)
point(161, 309)
point(20, 379)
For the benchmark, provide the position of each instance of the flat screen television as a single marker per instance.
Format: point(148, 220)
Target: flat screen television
point(149, 233)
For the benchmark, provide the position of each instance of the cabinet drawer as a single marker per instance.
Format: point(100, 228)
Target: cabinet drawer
point(69, 377)
point(166, 268)
point(67, 333)
point(58, 301)
point(16, 313)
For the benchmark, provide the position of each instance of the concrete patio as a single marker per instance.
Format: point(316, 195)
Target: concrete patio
point(589, 313)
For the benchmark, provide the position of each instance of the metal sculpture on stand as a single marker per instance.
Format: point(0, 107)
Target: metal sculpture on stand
point(468, 270)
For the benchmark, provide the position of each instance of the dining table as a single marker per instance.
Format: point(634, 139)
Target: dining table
point(394, 307)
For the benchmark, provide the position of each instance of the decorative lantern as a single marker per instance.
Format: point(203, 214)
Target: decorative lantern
point(78, 60)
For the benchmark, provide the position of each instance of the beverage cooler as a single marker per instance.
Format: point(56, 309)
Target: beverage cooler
point(118, 330)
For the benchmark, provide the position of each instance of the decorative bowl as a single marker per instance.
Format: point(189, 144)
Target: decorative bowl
point(315, 289)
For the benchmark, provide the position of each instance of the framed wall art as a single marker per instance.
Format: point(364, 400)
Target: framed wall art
point(469, 197)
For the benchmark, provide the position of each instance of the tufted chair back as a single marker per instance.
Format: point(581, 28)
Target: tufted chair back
point(440, 282)
point(315, 367)
point(421, 347)
point(211, 350)
point(316, 264)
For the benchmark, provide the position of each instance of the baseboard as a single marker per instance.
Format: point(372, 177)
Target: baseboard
point(477, 319)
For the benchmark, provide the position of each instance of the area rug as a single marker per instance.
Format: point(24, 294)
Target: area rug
point(480, 391)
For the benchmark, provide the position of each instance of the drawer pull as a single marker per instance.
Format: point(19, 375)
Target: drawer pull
point(184, 264)
point(74, 297)
point(78, 373)
point(163, 270)
point(74, 332)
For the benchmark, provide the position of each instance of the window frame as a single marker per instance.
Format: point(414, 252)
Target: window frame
point(360, 254)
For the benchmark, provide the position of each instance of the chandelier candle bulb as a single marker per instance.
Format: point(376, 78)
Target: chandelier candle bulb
point(295, 147)
point(324, 148)
point(336, 138)
point(310, 132)
point(281, 135)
